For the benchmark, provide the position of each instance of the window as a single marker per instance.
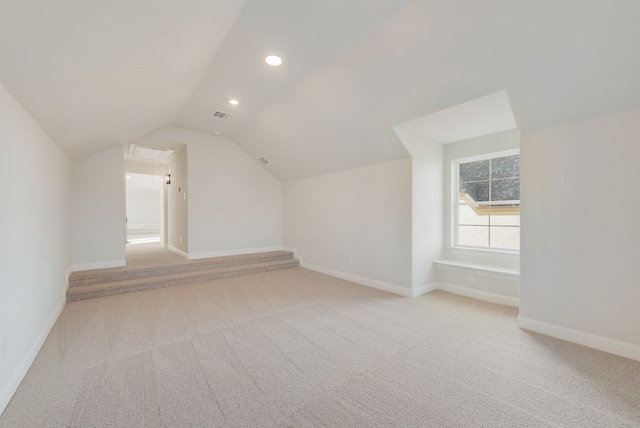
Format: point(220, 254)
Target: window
point(487, 202)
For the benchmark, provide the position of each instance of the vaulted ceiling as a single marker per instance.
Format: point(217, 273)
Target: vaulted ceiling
point(98, 73)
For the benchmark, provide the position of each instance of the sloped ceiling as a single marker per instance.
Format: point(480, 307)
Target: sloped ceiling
point(487, 115)
point(96, 73)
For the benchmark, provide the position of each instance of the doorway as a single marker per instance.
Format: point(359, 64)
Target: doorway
point(145, 208)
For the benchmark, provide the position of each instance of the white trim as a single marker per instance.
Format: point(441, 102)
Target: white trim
point(488, 270)
point(485, 156)
point(177, 251)
point(194, 256)
point(613, 346)
point(373, 283)
point(485, 252)
point(455, 200)
point(480, 295)
point(98, 265)
point(424, 289)
point(10, 388)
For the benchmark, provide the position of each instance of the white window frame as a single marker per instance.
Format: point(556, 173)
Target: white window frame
point(455, 203)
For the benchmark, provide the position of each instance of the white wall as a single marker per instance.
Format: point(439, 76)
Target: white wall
point(178, 205)
point(98, 211)
point(235, 204)
point(144, 209)
point(35, 230)
point(427, 214)
point(427, 181)
point(355, 224)
point(580, 232)
point(144, 200)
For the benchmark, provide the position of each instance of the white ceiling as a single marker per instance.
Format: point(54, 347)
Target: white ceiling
point(486, 115)
point(99, 73)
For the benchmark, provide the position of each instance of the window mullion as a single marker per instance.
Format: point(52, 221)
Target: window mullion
point(490, 200)
point(477, 211)
point(456, 207)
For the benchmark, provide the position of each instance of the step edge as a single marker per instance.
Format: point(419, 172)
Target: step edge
point(96, 278)
point(167, 278)
point(74, 297)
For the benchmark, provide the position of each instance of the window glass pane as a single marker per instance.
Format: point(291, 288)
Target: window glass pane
point(505, 167)
point(505, 190)
point(474, 171)
point(474, 236)
point(505, 215)
point(479, 192)
point(505, 237)
point(472, 216)
point(481, 220)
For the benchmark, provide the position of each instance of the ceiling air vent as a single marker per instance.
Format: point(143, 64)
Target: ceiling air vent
point(264, 161)
point(221, 115)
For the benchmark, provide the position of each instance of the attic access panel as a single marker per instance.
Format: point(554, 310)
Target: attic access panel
point(149, 153)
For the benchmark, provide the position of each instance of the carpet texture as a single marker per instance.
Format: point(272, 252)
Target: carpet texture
point(157, 268)
point(301, 349)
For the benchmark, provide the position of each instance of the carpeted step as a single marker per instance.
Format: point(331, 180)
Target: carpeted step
point(89, 291)
point(118, 274)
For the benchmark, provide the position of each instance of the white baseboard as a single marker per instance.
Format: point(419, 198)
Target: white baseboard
point(613, 346)
point(177, 251)
point(98, 265)
point(480, 295)
point(10, 388)
point(195, 256)
point(424, 289)
point(373, 283)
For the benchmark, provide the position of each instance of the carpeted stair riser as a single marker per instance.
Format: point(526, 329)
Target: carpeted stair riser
point(105, 275)
point(109, 284)
point(207, 274)
point(161, 282)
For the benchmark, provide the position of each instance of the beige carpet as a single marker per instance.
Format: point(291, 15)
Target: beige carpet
point(301, 349)
point(151, 254)
point(150, 266)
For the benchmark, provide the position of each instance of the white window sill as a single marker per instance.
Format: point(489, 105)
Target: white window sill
point(498, 254)
point(479, 268)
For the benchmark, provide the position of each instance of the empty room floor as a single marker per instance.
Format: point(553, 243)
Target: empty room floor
point(302, 349)
point(149, 254)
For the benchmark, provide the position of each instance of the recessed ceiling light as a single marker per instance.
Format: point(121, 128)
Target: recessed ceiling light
point(128, 177)
point(273, 60)
point(234, 102)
